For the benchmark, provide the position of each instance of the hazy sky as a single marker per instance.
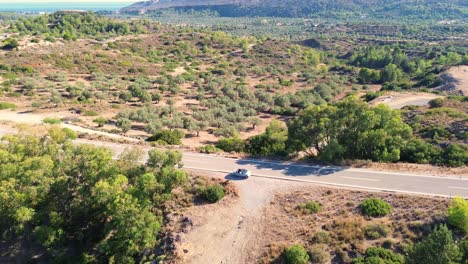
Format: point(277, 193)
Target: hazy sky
point(51, 1)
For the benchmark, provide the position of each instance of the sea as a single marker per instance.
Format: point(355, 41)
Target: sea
point(56, 6)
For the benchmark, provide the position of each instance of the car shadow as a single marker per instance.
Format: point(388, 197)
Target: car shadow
point(292, 169)
point(231, 177)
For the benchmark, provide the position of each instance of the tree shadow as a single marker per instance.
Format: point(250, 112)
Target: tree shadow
point(292, 169)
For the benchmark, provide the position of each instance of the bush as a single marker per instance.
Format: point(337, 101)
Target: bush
point(375, 207)
point(10, 43)
point(458, 214)
point(296, 255)
point(233, 144)
point(213, 193)
point(90, 113)
point(318, 254)
point(171, 137)
point(418, 151)
point(375, 231)
point(208, 149)
point(100, 121)
point(51, 121)
point(321, 237)
point(438, 102)
point(5, 105)
point(380, 255)
point(310, 207)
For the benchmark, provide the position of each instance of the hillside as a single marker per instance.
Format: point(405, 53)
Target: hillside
point(427, 9)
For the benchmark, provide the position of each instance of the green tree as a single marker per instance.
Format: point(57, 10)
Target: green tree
point(124, 123)
point(458, 214)
point(349, 129)
point(271, 143)
point(437, 248)
point(76, 201)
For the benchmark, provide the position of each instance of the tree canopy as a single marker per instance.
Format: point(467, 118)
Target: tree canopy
point(349, 129)
point(78, 203)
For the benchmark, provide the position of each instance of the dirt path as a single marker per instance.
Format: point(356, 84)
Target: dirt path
point(37, 118)
point(398, 100)
point(226, 232)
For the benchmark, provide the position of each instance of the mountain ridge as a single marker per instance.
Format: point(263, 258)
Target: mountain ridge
point(303, 8)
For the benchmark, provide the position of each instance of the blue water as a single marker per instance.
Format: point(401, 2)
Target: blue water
point(52, 7)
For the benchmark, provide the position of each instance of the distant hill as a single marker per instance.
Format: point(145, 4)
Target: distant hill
point(425, 9)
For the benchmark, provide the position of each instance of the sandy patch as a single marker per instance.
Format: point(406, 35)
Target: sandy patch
point(460, 76)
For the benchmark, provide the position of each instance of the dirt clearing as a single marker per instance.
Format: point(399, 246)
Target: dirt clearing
point(227, 232)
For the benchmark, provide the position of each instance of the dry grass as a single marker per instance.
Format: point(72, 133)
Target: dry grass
point(339, 226)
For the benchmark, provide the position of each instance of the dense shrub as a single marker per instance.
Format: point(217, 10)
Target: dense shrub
point(170, 137)
point(296, 255)
point(309, 208)
point(454, 155)
point(380, 255)
point(438, 102)
point(270, 143)
point(233, 144)
point(375, 207)
point(208, 149)
point(458, 214)
point(464, 250)
point(438, 247)
point(213, 193)
point(418, 151)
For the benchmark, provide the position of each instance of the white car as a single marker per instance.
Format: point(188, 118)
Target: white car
point(241, 173)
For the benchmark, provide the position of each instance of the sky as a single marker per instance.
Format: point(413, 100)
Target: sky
point(72, 1)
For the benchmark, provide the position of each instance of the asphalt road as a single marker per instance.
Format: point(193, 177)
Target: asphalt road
point(326, 175)
point(336, 176)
